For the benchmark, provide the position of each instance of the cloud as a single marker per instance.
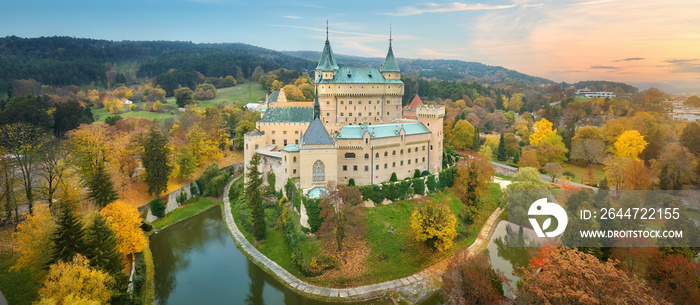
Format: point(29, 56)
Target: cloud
point(687, 65)
point(447, 7)
point(680, 61)
point(604, 67)
point(630, 59)
point(292, 17)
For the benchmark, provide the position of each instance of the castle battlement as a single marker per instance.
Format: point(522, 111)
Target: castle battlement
point(430, 110)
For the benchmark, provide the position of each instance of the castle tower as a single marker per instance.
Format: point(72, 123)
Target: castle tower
point(432, 117)
point(390, 69)
point(327, 66)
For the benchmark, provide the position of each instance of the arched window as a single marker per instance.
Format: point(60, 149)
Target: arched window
point(376, 155)
point(386, 154)
point(319, 171)
point(402, 151)
point(409, 150)
point(393, 153)
point(366, 156)
point(295, 159)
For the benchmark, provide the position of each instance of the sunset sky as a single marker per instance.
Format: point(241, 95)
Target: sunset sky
point(630, 41)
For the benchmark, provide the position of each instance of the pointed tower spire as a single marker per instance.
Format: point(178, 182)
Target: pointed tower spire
point(317, 106)
point(326, 29)
point(327, 61)
point(390, 64)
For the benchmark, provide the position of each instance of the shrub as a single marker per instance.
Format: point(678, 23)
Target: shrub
point(111, 120)
point(157, 208)
point(393, 177)
point(419, 186)
point(404, 190)
point(182, 197)
point(416, 174)
point(425, 173)
point(435, 225)
point(193, 189)
point(431, 183)
point(390, 191)
point(569, 175)
point(314, 213)
point(351, 182)
point(296, 200)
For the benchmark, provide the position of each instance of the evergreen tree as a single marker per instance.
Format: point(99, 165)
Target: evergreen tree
point(416, 173)
point(68, 238)
point(516, 158)
point(664, 179)
point(502, 156)
point(100, 186)
point(476, 142)
point(351, 182)
point(101, 245)
point(393, 177)
point(155, 162)
point(254, 197)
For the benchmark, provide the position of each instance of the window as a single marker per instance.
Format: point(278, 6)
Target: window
point(386, 165)
point(349, 155)
point(328, 102)
point(284, 132)
point(296, 141)
point(246, 146)
point(376, 156)
point(341, 102)
point(256, 146)
point(409, 150)
point(296, 132)
point(294, 171)
point(370, 102)
point(387, 102)
point(285, 142)
point(319, 171)
point(328, 114)
point(359, 102)
point(295, 159)
point(377, 167)
point(366, 141)
point(431, 147)
point(366, 168)
point(273, 141)
point(386, 154)
point(349, 102)
point(366, 156)
point(423, 159)
point(350, 114)
point(341, 114)
point(354, 167)
point(345, 168)
point(416, 160)
point(273, 132)
point(423, 147)
point(409, 161)
point(393, 153)
point(401, 162)
point(402, 152)
point(387, 113)
point(393, 164)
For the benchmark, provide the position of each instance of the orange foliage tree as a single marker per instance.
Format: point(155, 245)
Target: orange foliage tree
point(473, 177)
point(125, 222)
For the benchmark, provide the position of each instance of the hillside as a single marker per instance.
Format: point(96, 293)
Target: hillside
point(436, 68)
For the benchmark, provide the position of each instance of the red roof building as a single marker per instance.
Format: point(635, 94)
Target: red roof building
point(409, 111)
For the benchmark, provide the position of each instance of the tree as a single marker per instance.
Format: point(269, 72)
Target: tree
point(512, 147)
point(573, 277)
point(516, 158)
point(434, 224)
point(76, 279)
point(28, 110)
point(502, 155)
point(254, 197)
point(553, 169)
point(393, 177)
point(34, 242)
point(690, 138)
point(54, 168)
point(343, 216)
point(637, 176)
point(679, 165)
point(100, 186)
point(205, 92)
point(257, 73)
point(542, 128)
point(630, 144)
point(243, 127)
point(476, 141)
point(529, 159)
point(462, 135)
point(102, 247)
point(486, 152)
point(69, 116)
point(184, 96)
point(472, 281)
point(90, 145)
point(125, 221)
point(473, 177)
point(68, 238)
point(8, 182)
point(551, 150)
point(24, 142)
point(615, 172)
point(187, 165)
point(271, 181)
point(677, 277)
point(432, 184)
point(155, 162)
point(202, 145)
point(588, 150)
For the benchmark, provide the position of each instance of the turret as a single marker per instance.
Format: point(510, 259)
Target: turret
point(327, 66)
point(390, 69)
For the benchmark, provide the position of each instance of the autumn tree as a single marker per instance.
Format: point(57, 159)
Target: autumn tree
point(486, 152)
point(243, 127)
point(636, 176)
point(552, 149)
point(529, 159)
point(572, 277)
point(677, 277)
point(68, 237)
point(542, 129)
point(473, 177)
point(155, 162)
point(472, 281)
point(553, 169)
point(512, 146)
point(90, 145)
point(24, 142)
point(187, 165)
point(690, 138)
point(679, 164)
point(101, 187)
point(434, 224)
point(54, 167)
point(184, 96)
point(588, 150)
point(254, 198)
point(462, 135)
point(630, 144)
point(125, 222)
point(34, 242)
point(342, 214)
point(8, 184)
point(201, 145)
point(76, 279)
point(615, 171)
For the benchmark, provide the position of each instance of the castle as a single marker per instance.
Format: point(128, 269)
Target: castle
point(355, 129)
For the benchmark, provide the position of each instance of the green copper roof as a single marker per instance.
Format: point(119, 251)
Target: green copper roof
point(381, 131)
point(358, 75)
point(390, 64)
point(288, 115)
point(291, 148)
point(327, 61)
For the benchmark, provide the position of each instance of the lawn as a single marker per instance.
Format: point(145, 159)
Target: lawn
point(248, 92)
point(582, 171)
point(193, 206)
point(18, 287)
point(393, 252)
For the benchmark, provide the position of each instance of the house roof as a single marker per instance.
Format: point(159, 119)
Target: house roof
point(358, 75)
point(288, 115)
point(414, 103)
point(381, 131)
point(327, 61)
point(390, 64)
point(291, 148)
point(316, 134)
point(273, 97)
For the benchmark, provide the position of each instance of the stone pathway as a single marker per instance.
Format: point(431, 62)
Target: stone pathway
point(2, 299)
point(417, 280)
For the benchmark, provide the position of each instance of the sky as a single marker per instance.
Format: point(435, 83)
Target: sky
point(642, 41)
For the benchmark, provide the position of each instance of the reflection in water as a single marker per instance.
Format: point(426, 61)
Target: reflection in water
point(197, 262)
point(507, 251)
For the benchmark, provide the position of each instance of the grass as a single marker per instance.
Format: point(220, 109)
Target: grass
point(245, 93)
point(19, 287)
point(148, 290)
point(582, 171)
point(193, 207)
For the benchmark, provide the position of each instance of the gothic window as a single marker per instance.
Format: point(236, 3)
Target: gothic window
point(366, 156)
point(393, 153)
point(376, 155)
point(319, 171)
point(295, 159)
point(386, 154)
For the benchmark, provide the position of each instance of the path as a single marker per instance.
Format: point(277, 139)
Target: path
point(511, 171)
point(407, 284)
point(2, 299)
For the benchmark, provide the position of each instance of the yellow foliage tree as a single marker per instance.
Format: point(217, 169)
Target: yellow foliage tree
point(76, 280)
point(462, 135)
point(69, 300)
point(460, 104)
point(542, 129)
point(515, 102)
point(125, 222)
point(630, 144)
point(434, 224)
point(34, 243)
point(202, 146)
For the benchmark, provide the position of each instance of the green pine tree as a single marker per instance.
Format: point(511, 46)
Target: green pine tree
point(68, 238)
point(155, 162)
point(100, 186)
point(476, 141)
point(502, 155)
point(393, 177)
point(664, 179)
point(102, 248)
point(254, 197)
point(516, 158)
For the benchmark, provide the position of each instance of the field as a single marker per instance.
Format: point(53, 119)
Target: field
point(245, 93)
point(193, 206)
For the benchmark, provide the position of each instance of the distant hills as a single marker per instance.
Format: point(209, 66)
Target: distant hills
point(436, 68)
